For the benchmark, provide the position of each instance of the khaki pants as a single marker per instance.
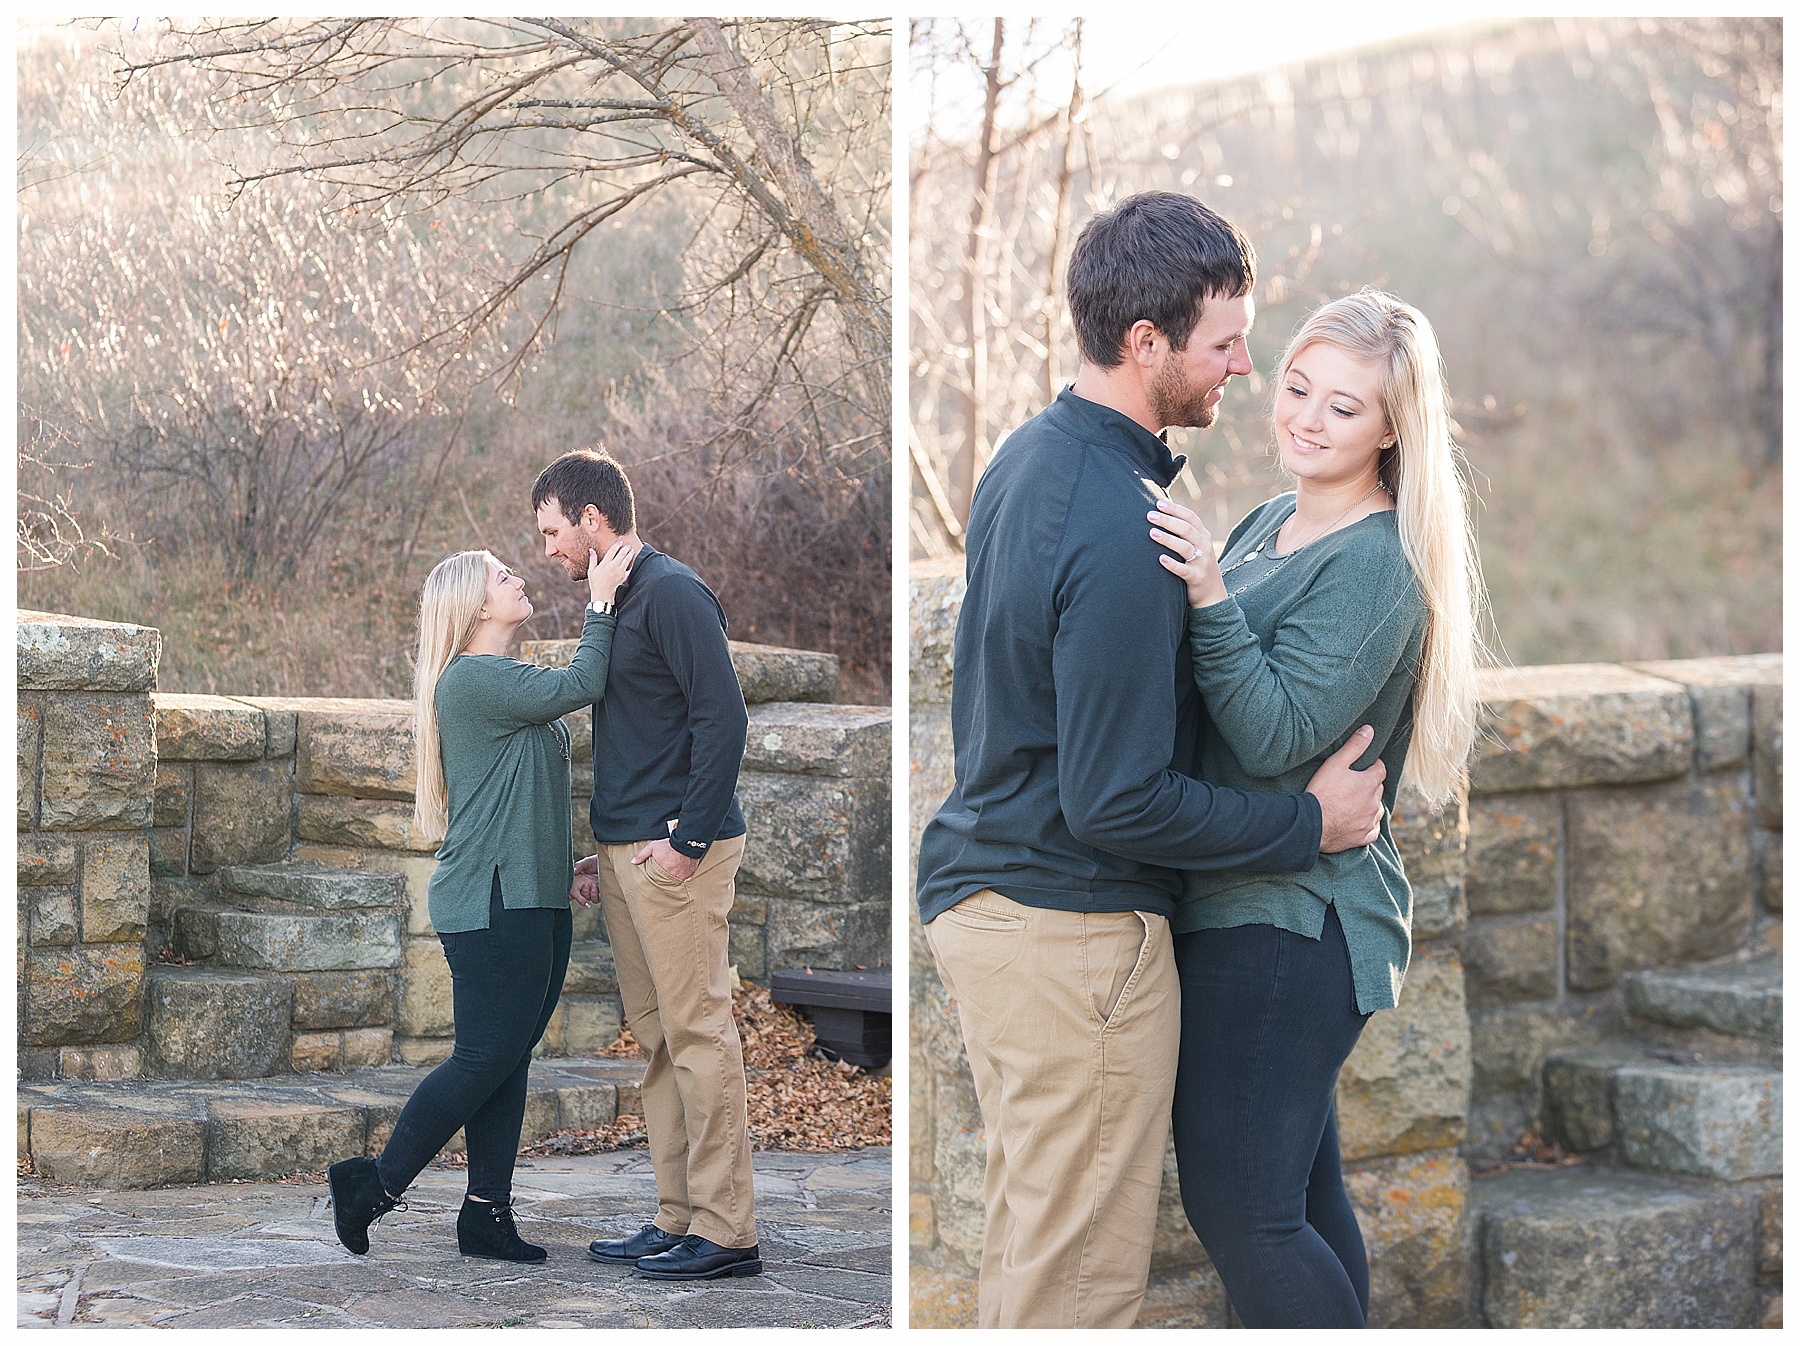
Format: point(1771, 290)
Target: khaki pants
point(1073, 1025)
point(669, 948)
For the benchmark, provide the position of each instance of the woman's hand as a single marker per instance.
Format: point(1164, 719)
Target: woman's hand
point(606, 575)
point(1179, 529)
point(586, 887)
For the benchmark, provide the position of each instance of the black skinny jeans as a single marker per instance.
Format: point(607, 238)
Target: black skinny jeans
point(505, 982)
point(1267, 1019)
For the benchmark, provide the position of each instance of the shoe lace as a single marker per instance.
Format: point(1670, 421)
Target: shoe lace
point(500, 1212)
point(386, 1205)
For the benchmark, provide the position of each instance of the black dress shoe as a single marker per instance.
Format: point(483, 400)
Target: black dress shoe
point(626, 1251)
point(485, 1229)
point(696, 1259)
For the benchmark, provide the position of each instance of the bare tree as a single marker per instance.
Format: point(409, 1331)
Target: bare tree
point(976, 326)
point(562, 124)
point(1714, 275)
point(50, 531)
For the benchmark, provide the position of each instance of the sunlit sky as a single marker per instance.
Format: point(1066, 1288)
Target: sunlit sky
point(1148, 48)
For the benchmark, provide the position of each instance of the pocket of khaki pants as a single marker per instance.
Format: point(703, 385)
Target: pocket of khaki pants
point(660, 876)
point(975, 946)
point(1114, 950)
point(981, 918)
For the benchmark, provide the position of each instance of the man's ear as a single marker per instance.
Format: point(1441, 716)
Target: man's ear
point(591, 518)
point(1145, 344)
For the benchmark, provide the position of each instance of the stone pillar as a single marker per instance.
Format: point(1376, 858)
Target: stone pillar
point(87, 771)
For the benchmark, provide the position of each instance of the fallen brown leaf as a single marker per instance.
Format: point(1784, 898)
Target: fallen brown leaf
point(797, 1099)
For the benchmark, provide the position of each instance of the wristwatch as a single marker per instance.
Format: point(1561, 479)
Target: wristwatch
point(607, 609)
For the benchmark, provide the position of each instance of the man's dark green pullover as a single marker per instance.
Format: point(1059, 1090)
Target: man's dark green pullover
point(1073, 706)
point(669, 733)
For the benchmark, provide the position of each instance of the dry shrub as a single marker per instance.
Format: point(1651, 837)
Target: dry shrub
point(795, 542)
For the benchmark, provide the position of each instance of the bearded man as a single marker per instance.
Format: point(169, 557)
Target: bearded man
point(668, 741)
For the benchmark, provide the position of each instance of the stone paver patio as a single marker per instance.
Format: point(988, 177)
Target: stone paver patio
point(262, 1254)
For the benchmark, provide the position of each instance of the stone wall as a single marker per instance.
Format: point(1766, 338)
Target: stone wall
point(131, 801)
point(1615, 819)
point(1620, 819)
point(815, 886)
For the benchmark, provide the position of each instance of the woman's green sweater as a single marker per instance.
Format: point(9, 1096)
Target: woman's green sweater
point(506, 778)
point(1314, 644)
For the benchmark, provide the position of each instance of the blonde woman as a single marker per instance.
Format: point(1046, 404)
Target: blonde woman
point(494, 785)
point(1347, 605)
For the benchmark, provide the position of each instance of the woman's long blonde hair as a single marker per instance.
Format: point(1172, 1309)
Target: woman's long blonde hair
point(1421, 472)
point(449, 611)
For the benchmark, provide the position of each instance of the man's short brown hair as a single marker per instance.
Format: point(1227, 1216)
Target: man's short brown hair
point(584, 477)
point(1156, 255)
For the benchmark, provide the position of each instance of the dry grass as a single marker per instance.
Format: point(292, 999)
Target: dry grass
point(337, 629)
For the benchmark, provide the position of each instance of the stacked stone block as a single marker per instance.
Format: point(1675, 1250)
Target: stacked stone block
point(1624, 957)
point(214, 890)
point(147, 1134)
point(86, 774)
point(292, 978)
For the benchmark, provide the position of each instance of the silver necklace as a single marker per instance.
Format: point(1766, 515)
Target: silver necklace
point(1274, 533)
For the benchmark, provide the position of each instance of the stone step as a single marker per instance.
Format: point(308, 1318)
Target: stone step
point(206, 1024)
point(304, 884)
point(139, 1133)
point(1588, 1247)
point(277, 941)
point(348, 999)
point(1741, 1000)
point(1713, 1119)
point(225, 1023)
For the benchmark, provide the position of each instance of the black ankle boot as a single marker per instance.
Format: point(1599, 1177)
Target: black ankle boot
point(357, 1201)
point(485, 1229)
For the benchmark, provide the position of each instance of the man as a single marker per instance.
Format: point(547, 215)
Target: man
point(668, 741)
point(1047, 878)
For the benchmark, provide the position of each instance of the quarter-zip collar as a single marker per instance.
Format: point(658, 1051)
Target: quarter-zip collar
point(1093, 423)
point(644, 550)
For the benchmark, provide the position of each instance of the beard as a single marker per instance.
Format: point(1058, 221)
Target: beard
point(1175, 400)
point(577, 565)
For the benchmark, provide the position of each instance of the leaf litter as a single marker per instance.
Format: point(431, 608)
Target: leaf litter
point(797, 1099)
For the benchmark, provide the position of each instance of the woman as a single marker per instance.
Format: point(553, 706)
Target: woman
point(494, 784)
point(1350, 602)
